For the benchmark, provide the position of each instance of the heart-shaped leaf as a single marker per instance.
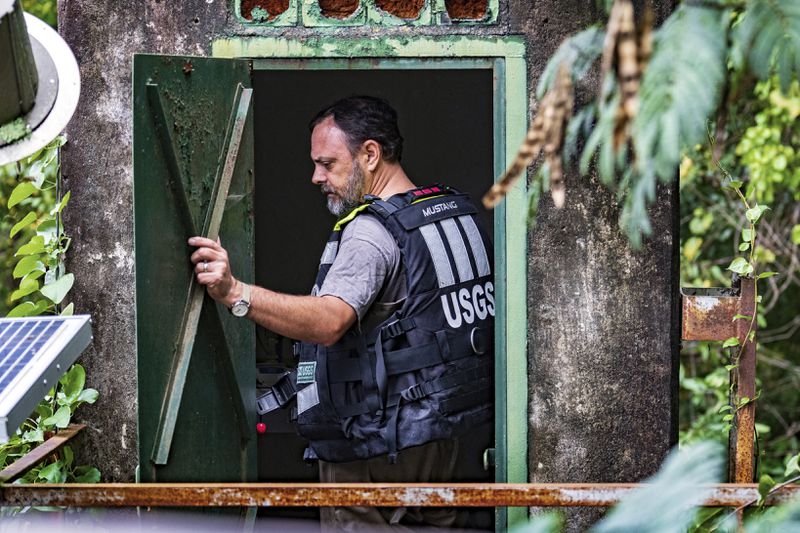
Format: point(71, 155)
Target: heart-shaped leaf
point(27, 219)
point(20, 192)
point(57, 290)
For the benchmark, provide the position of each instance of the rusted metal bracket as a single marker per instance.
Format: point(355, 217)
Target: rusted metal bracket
point(716, 315)
point(19, 467)
point(360, 494)
point(194, 303)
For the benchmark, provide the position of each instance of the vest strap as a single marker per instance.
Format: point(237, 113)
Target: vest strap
point(280, 394)
point(381, 375)
point(481, 395)
point(475, 375)
point(365, 363)
point(448, 381)
point(407, 359)
point(398, 327)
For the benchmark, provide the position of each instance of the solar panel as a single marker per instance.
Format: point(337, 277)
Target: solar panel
point(34, 353)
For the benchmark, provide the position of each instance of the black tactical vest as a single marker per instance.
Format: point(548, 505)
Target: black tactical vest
point(426, 372)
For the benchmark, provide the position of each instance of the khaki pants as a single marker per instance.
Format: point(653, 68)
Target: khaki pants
point(432, 462)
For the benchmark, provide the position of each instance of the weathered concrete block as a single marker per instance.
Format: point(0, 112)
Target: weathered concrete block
point(602, 318)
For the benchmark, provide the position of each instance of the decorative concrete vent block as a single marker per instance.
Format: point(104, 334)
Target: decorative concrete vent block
point(400, 12)
point(267, 12)
point(334, 13)
point(466, 11)
point(321, 13)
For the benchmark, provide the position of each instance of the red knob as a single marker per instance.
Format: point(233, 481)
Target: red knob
point(261, 428)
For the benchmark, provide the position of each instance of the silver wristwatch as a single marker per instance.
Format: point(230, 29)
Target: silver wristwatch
point(241, 307)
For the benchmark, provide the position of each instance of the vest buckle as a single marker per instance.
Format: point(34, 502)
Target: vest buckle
point(398, 327)
point(413, 393)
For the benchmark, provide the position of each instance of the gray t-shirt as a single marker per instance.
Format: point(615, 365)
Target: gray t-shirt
point(367, 273)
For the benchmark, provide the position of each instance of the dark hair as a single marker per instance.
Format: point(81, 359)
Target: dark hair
point(362, 118)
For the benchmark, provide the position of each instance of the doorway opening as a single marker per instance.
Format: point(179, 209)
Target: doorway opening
point(446, 119)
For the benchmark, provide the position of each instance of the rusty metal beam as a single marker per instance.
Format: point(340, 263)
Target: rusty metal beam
point(357, 494)
point(742, 437)
point(709, 314)
point(19, 467)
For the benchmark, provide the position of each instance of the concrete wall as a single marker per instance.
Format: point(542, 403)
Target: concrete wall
point(602, 325)
point(603, 335)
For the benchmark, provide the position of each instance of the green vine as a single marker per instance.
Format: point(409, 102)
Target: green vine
point(37, 235)
point(34, 254)
point(745, 267)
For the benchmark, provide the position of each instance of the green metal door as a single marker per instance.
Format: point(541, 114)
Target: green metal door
point(192, 167)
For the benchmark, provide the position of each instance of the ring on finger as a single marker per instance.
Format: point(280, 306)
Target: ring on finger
point(205, 266)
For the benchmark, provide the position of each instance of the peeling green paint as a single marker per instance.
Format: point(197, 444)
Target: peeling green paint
point(309, 14)
point(287, 18)
point(316, 47)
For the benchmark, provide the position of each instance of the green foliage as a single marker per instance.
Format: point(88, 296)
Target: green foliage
point(770, 37)
point(44, 9)
point(680, 88)
point(700, 52)
point(53, 413)
point(580, 51)
point(767, 148)
point(668, 502)
point(32, 248)
point(36, 238)
point(14, 130)
point(717, 227)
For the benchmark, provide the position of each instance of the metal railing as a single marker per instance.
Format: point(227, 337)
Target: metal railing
point(708, 314)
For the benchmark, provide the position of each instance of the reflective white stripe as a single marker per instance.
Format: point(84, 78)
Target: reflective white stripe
point(439, 255)
point(330, 252)
point(459, 250)
point(476, 243)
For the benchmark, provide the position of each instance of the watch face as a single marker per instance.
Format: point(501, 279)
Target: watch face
point(240, 308)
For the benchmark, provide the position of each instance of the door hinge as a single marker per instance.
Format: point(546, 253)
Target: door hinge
point(488, 458)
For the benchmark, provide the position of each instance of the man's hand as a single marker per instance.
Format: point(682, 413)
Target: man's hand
point(213, 270)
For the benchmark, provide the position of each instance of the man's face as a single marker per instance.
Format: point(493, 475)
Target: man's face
point(335, 170)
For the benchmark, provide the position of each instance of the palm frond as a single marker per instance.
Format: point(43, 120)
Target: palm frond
point(667, 503)
point(770, 35)
point(579, 52)
point(679, 93)
point(680, 89)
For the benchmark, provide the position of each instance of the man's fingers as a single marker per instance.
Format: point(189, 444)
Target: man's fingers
point(206, 254)
point(204, 267)
point(207, 243)
point(210, 278)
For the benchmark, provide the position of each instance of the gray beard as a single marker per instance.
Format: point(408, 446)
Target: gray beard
point(350, 196)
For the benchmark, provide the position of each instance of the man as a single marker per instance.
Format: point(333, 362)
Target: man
point(396, 337)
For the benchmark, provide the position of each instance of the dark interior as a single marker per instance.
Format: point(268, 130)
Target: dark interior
point(445, 117)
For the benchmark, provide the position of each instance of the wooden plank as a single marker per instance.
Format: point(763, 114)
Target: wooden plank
point(183, 353)
point(22, 465)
